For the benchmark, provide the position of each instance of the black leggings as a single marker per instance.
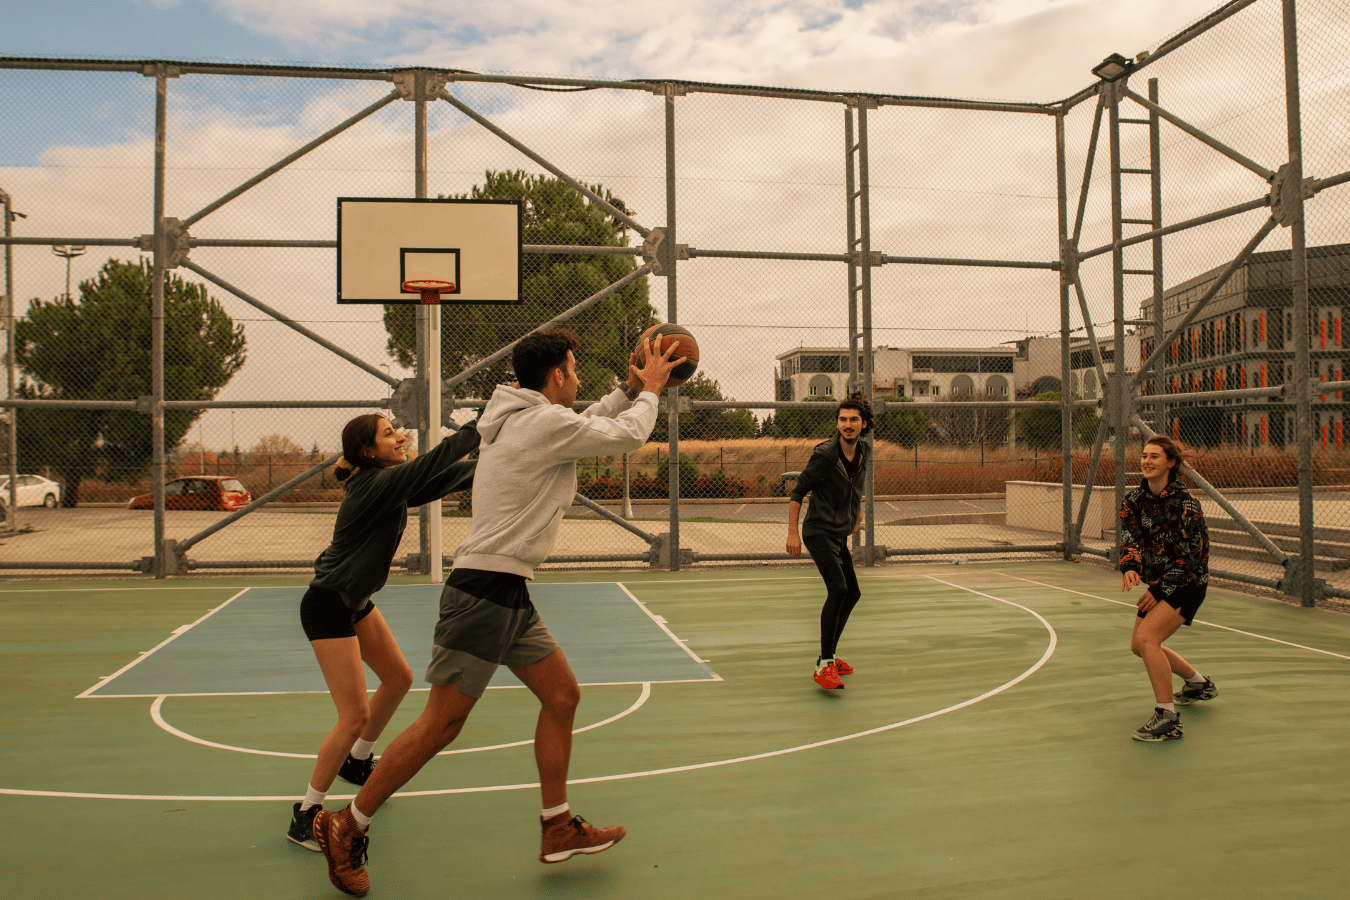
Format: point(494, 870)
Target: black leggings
point(841, 584)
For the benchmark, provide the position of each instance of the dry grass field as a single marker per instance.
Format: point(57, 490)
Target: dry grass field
point(760, 464)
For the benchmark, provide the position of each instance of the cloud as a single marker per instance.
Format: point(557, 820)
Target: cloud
point(1007, 49)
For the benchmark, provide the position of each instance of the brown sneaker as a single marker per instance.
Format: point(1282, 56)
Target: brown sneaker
point(343, 844)
point(564, 836)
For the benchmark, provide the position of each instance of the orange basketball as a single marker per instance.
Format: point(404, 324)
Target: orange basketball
point(688, 348)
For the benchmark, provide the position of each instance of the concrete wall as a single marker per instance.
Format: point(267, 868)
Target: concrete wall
point(1039, 506)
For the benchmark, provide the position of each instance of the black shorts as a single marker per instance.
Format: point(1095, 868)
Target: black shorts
point(323, 615)
point(1185, 600)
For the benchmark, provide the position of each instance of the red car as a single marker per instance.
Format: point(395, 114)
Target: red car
point(221, 492)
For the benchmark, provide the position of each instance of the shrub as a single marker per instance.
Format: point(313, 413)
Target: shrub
point(719, 485)
point(688, 474)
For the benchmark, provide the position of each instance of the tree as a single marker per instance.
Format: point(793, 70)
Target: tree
point(1041, 427)
point(798, 423)
point(554, 213)
point(707, 424)
point(963, 427)
point(277, 447)
point(99, 349)
point(905, 427)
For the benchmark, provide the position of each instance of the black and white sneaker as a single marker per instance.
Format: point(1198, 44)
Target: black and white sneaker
point(357, 771)
point(1191, 692)
point(302, 827)
point(1164, 726)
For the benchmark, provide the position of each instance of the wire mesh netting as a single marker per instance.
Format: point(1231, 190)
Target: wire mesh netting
point(989, 274)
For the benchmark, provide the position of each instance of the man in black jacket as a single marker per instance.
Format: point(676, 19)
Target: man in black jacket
point(834, 477)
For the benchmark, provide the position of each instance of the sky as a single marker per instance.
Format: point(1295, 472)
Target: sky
point(752, 174)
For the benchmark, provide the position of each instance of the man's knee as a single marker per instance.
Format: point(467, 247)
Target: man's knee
point(563, 698)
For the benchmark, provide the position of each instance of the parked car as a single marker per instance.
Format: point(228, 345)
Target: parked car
point(33, 490)
point(222, 492)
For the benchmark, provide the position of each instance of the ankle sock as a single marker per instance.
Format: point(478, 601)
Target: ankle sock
point(363, 749)
point(824, 661)
point(361, 818)
point(312, 798)
point(554, 811)
point(1197, 678)
point(1170, 707)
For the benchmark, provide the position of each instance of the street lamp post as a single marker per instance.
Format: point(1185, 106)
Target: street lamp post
point(9, 216)
point(68, 252)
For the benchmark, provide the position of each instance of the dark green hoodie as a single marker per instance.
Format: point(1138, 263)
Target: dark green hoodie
point(374, 512)
point(835, 498)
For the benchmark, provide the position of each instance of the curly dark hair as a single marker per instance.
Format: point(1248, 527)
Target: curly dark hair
point(857, 401)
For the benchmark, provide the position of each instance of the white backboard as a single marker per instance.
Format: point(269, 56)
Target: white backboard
point(383, 242)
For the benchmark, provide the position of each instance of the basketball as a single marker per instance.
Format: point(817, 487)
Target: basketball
point(688, 348)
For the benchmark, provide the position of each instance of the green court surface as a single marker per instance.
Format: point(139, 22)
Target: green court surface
point(981, 749)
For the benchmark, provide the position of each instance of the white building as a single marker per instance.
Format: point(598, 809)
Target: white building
point(1023, 368)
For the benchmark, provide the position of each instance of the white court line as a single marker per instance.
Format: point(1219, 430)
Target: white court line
point(1045, 657)
point(1197, 621)
point(661, 623)
point(176, 632)
point(158, 717)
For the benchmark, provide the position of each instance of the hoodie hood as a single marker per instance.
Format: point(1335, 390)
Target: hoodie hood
point(504, 402)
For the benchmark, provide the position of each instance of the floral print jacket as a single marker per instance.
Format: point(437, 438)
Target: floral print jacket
point(1164, 538)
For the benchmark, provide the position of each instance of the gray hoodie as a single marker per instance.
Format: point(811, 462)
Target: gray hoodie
point(527, 470)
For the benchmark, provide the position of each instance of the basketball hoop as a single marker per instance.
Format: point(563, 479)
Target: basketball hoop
point(430, 290)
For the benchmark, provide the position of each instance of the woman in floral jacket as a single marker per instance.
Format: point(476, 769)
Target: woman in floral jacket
point(1164, 543)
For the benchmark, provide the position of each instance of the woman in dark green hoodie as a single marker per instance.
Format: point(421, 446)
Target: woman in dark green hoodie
point(341, 622)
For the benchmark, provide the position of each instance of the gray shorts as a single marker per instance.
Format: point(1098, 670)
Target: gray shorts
point(476, 635)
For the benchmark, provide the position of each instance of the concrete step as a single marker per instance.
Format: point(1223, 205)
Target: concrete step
point(1232, 551)
point(1270, 529)
point(1239, 537)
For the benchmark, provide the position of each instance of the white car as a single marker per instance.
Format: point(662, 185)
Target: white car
point(33, 490)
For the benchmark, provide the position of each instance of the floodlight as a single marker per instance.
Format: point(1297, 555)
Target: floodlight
point(1113, 68)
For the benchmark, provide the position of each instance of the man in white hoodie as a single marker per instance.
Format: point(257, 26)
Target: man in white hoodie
point(525, 481)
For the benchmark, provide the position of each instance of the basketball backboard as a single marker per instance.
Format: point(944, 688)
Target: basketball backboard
point(383, 242)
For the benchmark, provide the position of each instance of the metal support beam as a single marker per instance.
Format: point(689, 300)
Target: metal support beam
point(1155, 223)
point(1266, 228)
point(1066, 409)
point(1152, 106)
point(558, 173)
point(273, 169)
point(668, 269)
point(865, 303)
point(13, 439)
point(1116, 382)
point(158, 466)
point(1304, 587)
point(428, 327)
point(581, 307)
point(258, 504)
point(291, 323)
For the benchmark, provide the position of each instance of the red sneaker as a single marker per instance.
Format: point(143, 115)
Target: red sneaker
point(827, 676)
point(843, 667)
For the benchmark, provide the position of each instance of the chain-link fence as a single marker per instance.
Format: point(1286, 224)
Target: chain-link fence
point(1022, 290)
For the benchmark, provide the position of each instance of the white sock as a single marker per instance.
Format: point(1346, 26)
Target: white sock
point(361, 818)
point(555, 811)
point(1170, 707)
point(824, 661)
point(1197, 678)
point(312, 798)
point(363, 749)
